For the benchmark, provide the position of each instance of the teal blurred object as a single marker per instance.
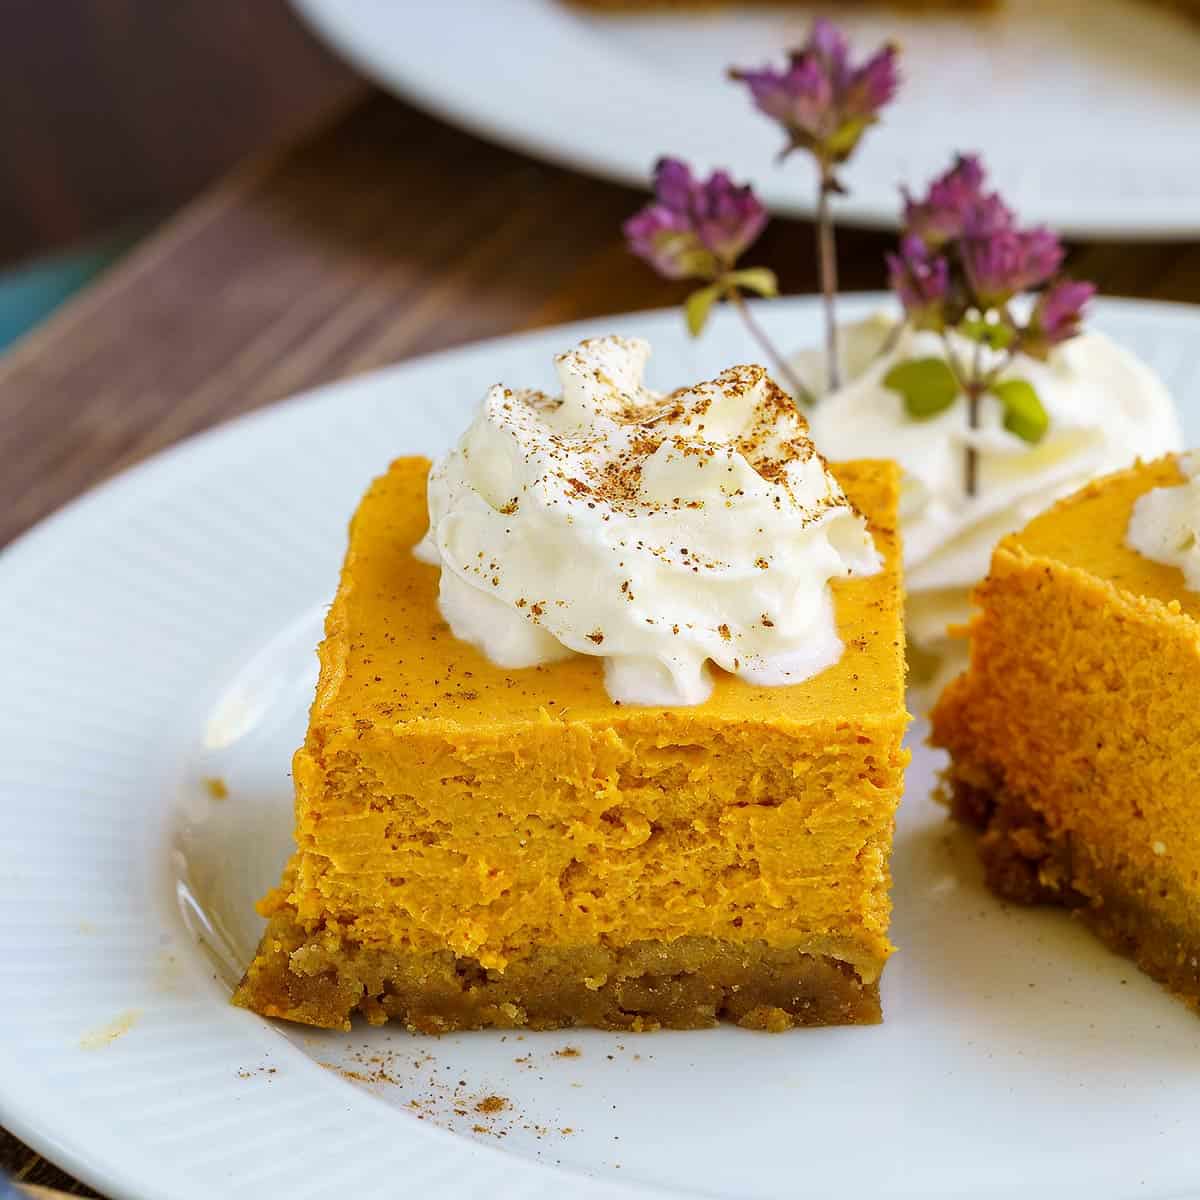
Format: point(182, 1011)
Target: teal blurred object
point(31, 292)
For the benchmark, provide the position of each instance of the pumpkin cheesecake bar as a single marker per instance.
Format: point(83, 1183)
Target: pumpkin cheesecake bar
point(1075, 733)
point(489, 847)
point(485, 845)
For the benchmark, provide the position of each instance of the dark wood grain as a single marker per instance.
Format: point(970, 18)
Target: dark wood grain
point(384, 235)
point(112, 109)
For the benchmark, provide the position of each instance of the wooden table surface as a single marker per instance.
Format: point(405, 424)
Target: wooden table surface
point(383, 235)
point(111, 111)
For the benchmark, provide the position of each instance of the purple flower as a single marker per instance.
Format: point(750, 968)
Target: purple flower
point(1061, 307)
point(728, 218)
point(991, 258)
point(694, 228)
point(921, 281)
point(962, 258)
point(823, 101)
point(1041, 254)
point(956, 205)
point(1004, 262)
point(1056, 316)
point(800, 98)
point(673, 184)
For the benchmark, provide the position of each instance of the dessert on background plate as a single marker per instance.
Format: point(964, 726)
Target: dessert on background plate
point(608, 729)
point(1074, 735)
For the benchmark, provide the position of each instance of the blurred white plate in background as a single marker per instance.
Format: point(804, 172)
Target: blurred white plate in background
point(1088, 111)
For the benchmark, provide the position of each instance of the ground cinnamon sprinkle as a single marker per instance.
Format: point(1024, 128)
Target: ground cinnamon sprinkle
point(617, 481)
point(492, 1104)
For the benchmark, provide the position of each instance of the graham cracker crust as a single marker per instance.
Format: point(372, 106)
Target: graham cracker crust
point(690, 983)
point(1027, 862)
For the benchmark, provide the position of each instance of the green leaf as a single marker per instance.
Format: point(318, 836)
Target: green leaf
point(698, 306)
point(994, 334)
point(760, 280)
point(928, 386)
point(1024, 414)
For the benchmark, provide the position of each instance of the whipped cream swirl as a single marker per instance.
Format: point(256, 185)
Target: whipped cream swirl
point(1106, 408)
point(658, 532)
point(1165, 525)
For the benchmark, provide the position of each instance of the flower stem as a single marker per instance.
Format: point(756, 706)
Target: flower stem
point(827, 259)
point(973, 387)
point(974, 394)
point(999, 368)
point(892, 340)
point(978, 386)
point(956, 367)
point(785, 372)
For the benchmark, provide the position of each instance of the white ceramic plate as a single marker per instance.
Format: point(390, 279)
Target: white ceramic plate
point(1088, 111)
point(159, 633)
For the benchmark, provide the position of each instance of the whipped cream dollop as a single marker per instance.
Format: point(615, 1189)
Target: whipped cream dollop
point(1106, 408)
point(658, 532)
point(1165, 524)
